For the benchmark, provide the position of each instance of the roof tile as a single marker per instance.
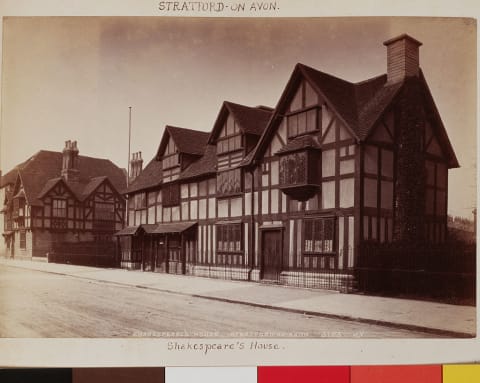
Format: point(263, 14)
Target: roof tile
point(43, 169)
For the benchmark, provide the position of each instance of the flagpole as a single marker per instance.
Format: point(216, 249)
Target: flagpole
point(129, 139)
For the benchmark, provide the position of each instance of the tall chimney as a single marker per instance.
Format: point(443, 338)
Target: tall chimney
point(136, 164)
point(402, 58)
point(70, 161)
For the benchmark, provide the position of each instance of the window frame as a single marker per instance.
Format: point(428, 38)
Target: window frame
point(140, 201)
point(56, 209)
point(232, 235)
point(318, 121)
point(103, 219)
point(226, 138)
point(326, 250)
point(22, 242)
point(167, 163)
point(169, 190)
point(229, 193)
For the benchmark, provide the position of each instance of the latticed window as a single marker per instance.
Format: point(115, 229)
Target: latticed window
point(229, 238)
point(303, 122)
point(171, 194)
point(293, 169)
point(229, 182)
point(59, 208)
point(230, 138)
point(319, 235)
point(23, 240)
point(170, 161)
point(104, 211)
point(140, 201)
point(304, 114)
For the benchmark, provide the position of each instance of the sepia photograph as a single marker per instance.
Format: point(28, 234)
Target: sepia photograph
point(230, 178)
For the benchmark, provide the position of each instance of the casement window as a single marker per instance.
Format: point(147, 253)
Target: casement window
point(346, 151)
point(293, 169)
point(303, 122)
point(140, 201)
point(59, 208)
point(304, 115)
point(104, 211)
point(18, 207)
point(230, 138)
point(229, 182)
point(318, 235)
point(23, 240)
point(170, 161)
point(229, 238)
point(170, 156)
point(171, 194)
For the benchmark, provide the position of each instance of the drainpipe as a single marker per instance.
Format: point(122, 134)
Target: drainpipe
point(252, 229)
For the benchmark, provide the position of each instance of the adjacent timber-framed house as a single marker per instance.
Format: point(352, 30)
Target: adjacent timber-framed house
point(61, 200)
point(293, 194)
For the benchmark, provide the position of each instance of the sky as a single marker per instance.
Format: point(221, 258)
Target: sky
point(73, 78)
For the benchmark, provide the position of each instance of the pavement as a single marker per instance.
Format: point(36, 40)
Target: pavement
point(431, 317)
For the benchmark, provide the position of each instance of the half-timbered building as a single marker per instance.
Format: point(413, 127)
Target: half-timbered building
point(59, 198)
point(293, 194)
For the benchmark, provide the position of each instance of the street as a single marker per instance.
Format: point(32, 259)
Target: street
point(40, 304)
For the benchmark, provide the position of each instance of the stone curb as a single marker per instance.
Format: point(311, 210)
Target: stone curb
point(395, 325)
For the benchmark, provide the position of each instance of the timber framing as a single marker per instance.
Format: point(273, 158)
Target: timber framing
point(291, 194)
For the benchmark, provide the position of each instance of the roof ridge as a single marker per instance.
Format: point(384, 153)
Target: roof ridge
point(186, 129)
point(300, 65)
point(370, 79)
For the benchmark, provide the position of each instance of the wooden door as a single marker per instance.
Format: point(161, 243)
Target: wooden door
point(176, 260)
point(271, 255)
point(161, 263)
point(148, 254)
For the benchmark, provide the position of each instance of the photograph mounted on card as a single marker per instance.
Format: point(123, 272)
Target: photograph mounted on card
point(233, 183)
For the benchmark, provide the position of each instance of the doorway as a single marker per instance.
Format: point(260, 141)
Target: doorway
point(271, 255)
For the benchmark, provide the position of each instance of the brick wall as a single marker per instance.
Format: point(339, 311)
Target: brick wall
point(410, 181)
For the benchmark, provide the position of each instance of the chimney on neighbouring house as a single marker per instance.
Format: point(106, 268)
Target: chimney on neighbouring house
point(136, 164)
point(402, 58)
point(70, 161)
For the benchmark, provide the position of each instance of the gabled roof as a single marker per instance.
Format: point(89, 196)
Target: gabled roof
point(358, 105)
point(204, 166)
point(42, 171)
point(299, 143)
point(188, 141)
point(441, 131)
point(251, 120)
point(10, 177)
point(149, 177)
point(49, 185)
point(90, 187)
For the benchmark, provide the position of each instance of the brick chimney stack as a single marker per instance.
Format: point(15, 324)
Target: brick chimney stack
point(402, 58)
point(136, 165)
point(70, 170)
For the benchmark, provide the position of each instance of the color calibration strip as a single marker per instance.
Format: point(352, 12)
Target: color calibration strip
point(460, 373)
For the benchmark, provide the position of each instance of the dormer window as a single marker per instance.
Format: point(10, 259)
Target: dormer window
point(303, 122)
point(304, 115)
point(230, 138)
point(170, 157)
